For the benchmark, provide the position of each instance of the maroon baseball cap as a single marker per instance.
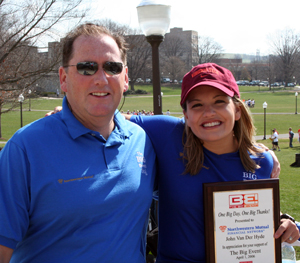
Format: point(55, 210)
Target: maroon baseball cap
point(209, 74)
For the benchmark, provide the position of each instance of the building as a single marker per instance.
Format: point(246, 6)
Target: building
point(189, 45)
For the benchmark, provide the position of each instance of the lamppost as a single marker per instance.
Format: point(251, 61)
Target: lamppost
point(154, 20)
point(29, 94)
point(21, 99)
point(296, 95)
point(265, 105)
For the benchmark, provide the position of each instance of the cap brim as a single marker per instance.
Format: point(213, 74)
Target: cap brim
point(212, 84)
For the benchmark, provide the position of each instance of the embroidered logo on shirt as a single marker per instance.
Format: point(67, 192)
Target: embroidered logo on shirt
point(250, 176)
point(142, 162)
point(75, 179)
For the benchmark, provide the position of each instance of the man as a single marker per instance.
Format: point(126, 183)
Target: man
point(76, 186)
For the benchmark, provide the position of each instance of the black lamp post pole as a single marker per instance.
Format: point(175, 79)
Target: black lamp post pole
point(155, 41)
point(21, 114)
point(264, 124)
point(296, 105)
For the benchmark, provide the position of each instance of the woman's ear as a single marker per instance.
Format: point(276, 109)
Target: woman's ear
point(238, 112)
point(185, 114)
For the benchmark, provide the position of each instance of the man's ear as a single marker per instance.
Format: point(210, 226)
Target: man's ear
point(63, 79)
point(126, 82)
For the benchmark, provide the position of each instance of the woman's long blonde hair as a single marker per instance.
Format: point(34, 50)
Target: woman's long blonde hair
point(244, 131)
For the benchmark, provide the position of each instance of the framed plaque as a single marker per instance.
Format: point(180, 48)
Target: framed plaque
point(240, 221)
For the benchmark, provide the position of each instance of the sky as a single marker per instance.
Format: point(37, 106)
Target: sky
point(238, 26)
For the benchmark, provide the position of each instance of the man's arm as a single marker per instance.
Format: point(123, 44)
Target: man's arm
point(276, 165)
point(5, 254)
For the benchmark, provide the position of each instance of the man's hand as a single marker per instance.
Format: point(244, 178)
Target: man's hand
point(56, 109)
point(276, 165)
point(5, 254)
point(127, 116)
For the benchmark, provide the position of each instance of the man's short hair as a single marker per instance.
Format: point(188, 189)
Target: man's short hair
point(90, 29)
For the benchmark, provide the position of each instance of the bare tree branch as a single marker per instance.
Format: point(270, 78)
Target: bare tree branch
point(22, 25)
point(286, 46)
point(208, 50)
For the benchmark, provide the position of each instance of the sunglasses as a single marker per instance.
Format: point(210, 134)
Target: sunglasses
point(90, 68)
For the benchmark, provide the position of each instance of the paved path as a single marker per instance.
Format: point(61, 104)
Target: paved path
point(280, 136)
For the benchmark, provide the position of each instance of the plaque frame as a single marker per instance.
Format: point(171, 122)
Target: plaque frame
point(208, 191)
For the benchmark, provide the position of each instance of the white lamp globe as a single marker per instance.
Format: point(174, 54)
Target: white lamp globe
point(154, 17)
point(21, 98)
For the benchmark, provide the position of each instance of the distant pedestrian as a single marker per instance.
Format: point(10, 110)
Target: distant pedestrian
point(299, 135)
point(291, 137)
point(249, 103)
point(57, 93)
point(275, 140)
point(168, 113)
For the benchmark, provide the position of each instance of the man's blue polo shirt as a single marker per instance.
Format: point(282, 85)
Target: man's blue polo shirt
point(68, 195)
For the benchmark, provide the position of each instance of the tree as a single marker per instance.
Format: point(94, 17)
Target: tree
point(245, 75)
point(174, 50)
point(176, 67)
point(235, 66)
point(286, 46)
point(139, 56)
point(139, 50)
point(115, 27)
point(172, 46)
point(23, 24)
point(208, 49)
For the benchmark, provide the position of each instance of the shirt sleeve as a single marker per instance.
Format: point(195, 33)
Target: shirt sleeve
point(298, 225)
point(14, 195)
point(158, 127)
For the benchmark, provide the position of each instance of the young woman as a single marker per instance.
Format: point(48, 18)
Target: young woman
point(213, 143)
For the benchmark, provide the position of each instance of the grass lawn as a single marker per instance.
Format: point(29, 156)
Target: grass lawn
point(279, 102)
point(282, 102)
point(289, 179)
point(10, 122)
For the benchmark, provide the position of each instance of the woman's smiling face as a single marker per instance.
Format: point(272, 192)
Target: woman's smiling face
point(211, 115)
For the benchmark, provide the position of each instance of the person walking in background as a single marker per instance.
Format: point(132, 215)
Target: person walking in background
point(299, 135)
point(274, 137)
point(291, 137)
point(76, 186)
